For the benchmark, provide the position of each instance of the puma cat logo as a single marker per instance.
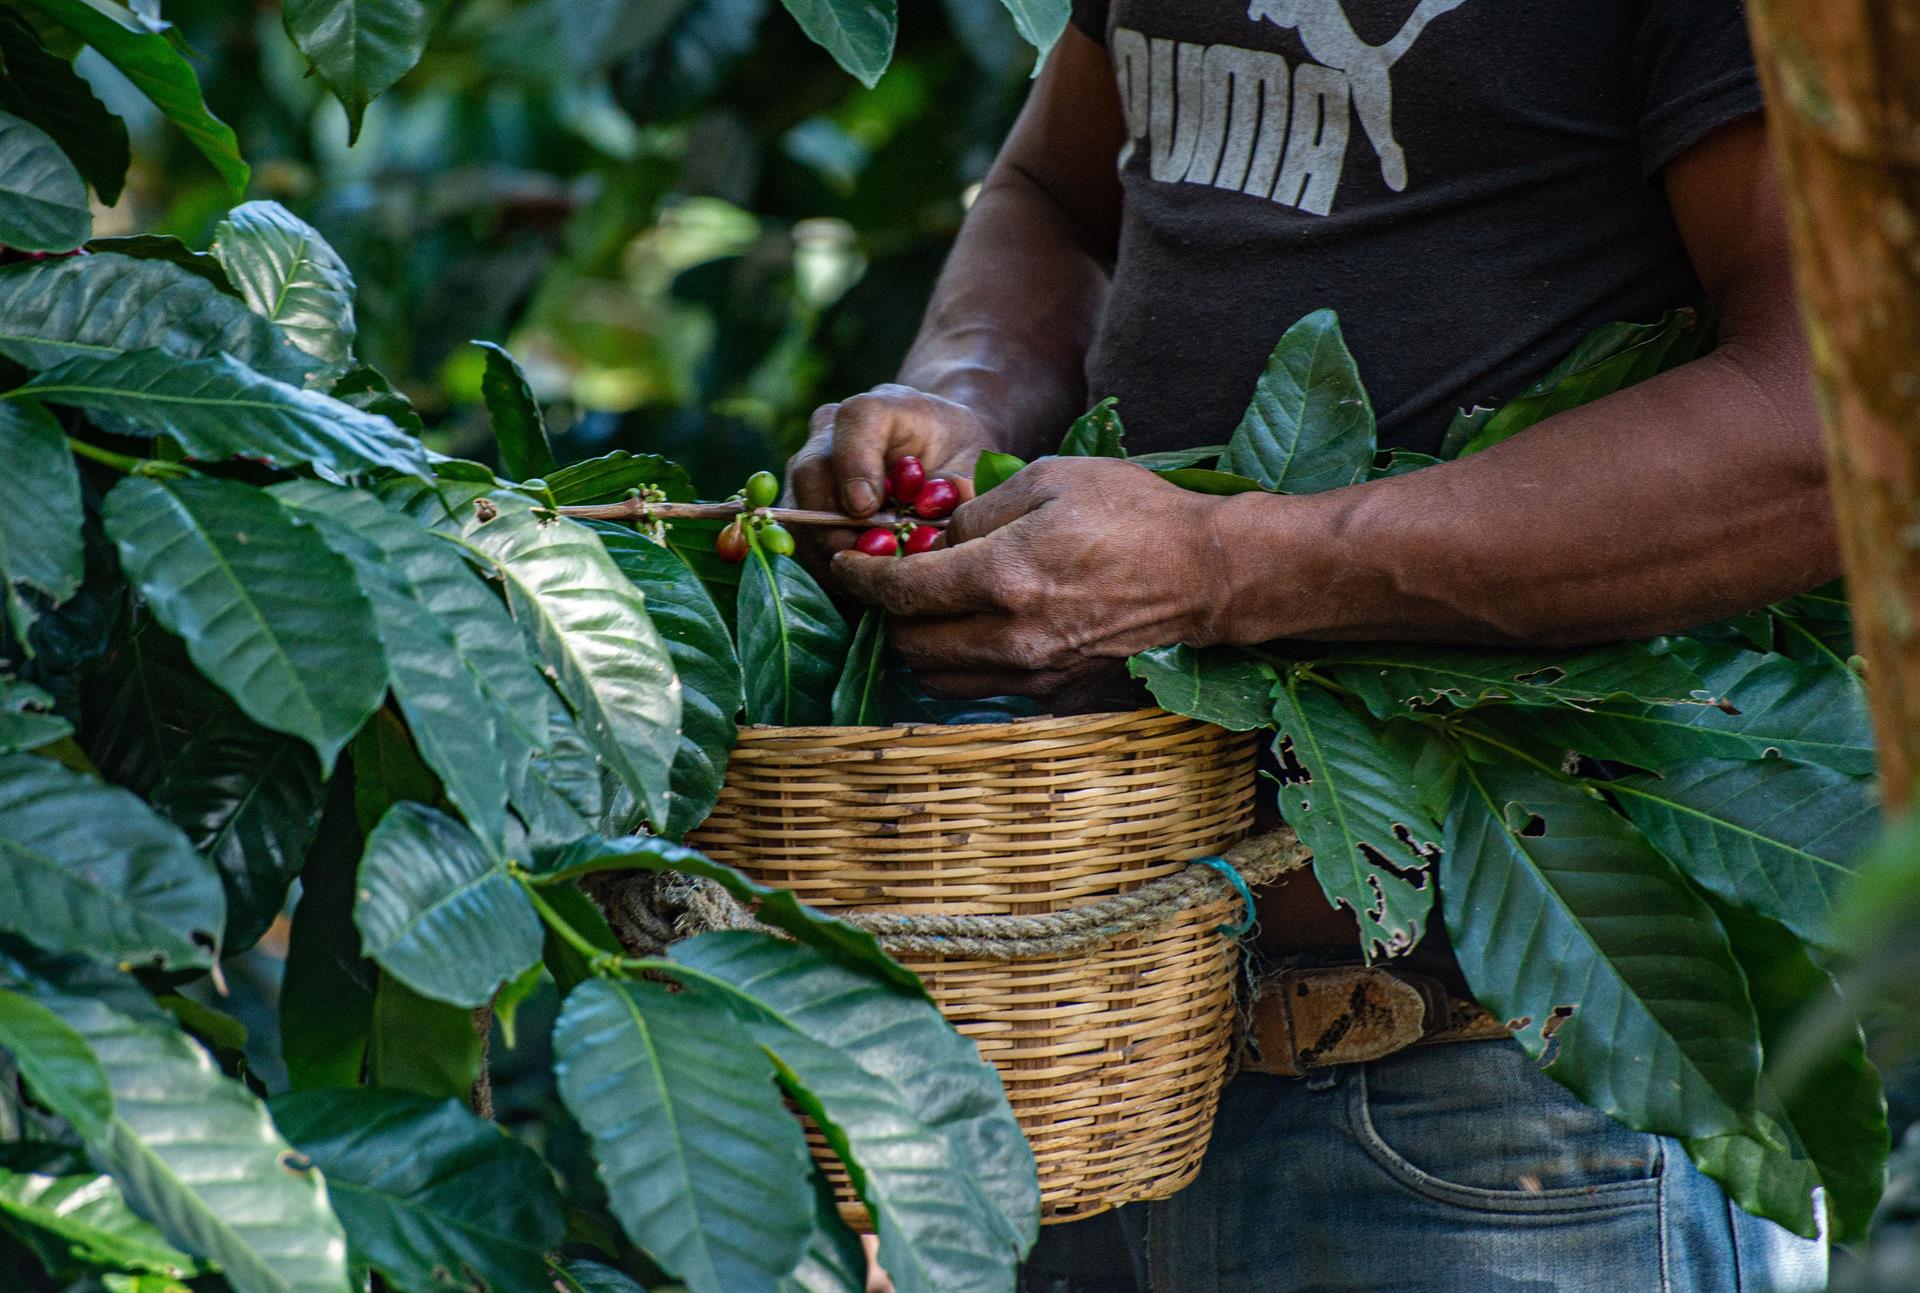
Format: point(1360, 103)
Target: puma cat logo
point(1332, 42)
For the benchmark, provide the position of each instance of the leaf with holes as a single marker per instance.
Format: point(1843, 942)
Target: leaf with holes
point(1220, 685)
point(431, 1196)
point(87, 867)
point(360, 47)
point(1310, 425)
point(1568, 922)
point(704, 1166)
point(195, 1153)
point(1775, 837)
point(43, 200)
point(1394, 679)
point(858, 33)
point(288, 274)
point(158, 70)
point(1358, 805)
point(107, 304)
point(44, 88)
point(519, 428)
point(711, 692)
point(793, 643)
point(436, 910)
point(219, 408)
point(593, 630)
point(26, 718)
point(249, 800)
point(59, 1203)
point(1097, 433)
point(268, 612)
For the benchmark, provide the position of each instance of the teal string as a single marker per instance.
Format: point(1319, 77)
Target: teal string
point(1232, 873)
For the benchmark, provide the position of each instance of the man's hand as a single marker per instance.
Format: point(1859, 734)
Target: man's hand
point(843, 467)
point(1055, 576)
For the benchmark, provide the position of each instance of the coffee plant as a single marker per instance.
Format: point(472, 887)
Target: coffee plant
point(262, 648)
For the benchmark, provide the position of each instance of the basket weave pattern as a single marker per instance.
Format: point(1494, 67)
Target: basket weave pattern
point(1112, 1058)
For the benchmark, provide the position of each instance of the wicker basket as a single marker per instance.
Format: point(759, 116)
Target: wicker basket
point(1112, 1059)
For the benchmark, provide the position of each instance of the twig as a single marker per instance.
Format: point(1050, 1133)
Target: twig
point(640, 511)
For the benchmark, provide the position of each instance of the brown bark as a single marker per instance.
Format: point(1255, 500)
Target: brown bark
point(1842, 81)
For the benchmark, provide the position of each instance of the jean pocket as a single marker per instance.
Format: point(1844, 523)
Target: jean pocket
point(1478, 1126)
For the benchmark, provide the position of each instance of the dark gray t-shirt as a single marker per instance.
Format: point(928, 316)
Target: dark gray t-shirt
point(1472, 184)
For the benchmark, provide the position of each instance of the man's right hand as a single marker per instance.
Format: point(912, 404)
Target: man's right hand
point(843, 467)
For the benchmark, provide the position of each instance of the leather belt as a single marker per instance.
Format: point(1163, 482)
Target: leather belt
point(1314, 1018)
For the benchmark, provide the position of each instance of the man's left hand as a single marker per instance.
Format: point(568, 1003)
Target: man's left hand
point(1054, 577)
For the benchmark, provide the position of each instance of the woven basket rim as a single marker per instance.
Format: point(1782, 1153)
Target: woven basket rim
point(1011, 729)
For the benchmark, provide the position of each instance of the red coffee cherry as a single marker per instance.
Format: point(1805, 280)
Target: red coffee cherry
point(731, 547)
point(877, 542)
point(938, 497)
point(920, 539)
point(906, 478)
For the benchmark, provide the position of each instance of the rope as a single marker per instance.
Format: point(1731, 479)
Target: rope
point(649, 911)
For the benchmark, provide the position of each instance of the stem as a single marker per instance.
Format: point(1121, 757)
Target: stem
point(127, 463)
point(640, 511)
point(597, 957)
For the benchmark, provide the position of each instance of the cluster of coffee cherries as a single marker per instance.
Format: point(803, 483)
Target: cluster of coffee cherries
point(909, 487)
point(737, 540)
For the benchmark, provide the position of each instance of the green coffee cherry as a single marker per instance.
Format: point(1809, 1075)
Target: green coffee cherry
point(777, 540)
point(763, 487)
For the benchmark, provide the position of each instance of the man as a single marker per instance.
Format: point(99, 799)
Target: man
point(1473, 185)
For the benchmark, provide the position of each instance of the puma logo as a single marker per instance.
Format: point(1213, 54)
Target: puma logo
point(1332, 42)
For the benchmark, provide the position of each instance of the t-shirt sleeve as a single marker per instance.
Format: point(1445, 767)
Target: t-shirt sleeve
point(1090, 16)
point(1694, 73)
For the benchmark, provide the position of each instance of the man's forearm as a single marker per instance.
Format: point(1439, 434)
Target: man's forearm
point(1008, 328)
point(1694, 495)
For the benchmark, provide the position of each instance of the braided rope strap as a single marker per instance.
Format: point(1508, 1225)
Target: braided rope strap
point(648, 911)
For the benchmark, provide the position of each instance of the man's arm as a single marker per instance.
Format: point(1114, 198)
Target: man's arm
point(1000, 359)
point(1690, 496)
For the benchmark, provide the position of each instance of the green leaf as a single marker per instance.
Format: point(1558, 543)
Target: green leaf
point(1568, 923)
point(1221, 684)
point(455, 659)
point(26, 720)
point(165, 247)
point(583, 1276)
point(711, 692)
point(87, 867)
point(1801, 712)
point(157, 70)
point(54, 1194)
point(59, 1068)
point(360, 47)
point(105, 304)
point(268, 612)
point(1039, 21)
point(40, 540)
point(704, 1166)
point(153, 701)
point(775, 908)
point(288, 274)
point(1393, 679)
point(1357, 804)
point(858, 696)
point(1775, 837)
point(519, 427)
point(566, 963)
point(249, 800)
point(835, 1260)
point(1097, 433)
point(1835, 1119)
point(43, 200)
point(992, 469)
point(1610, 359)
point(592, 627)
point(920, 1121)
point(1174, 459)
point(326, 994)
point(43, 88)
point(1398, 462)
point(607, 479)
point(793, 643)
point(197, 1154)
point(417, 1044)
point(219, 408)
point(431, 1196)
point(367, 389)
point(1310, 425)
point(858, 33)
point(436, 910)
point(1221, 484)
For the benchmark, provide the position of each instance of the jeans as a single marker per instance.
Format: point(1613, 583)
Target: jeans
point(1443, 1169)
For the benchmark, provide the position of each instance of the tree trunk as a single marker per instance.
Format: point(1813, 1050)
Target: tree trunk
point(1842, 81)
